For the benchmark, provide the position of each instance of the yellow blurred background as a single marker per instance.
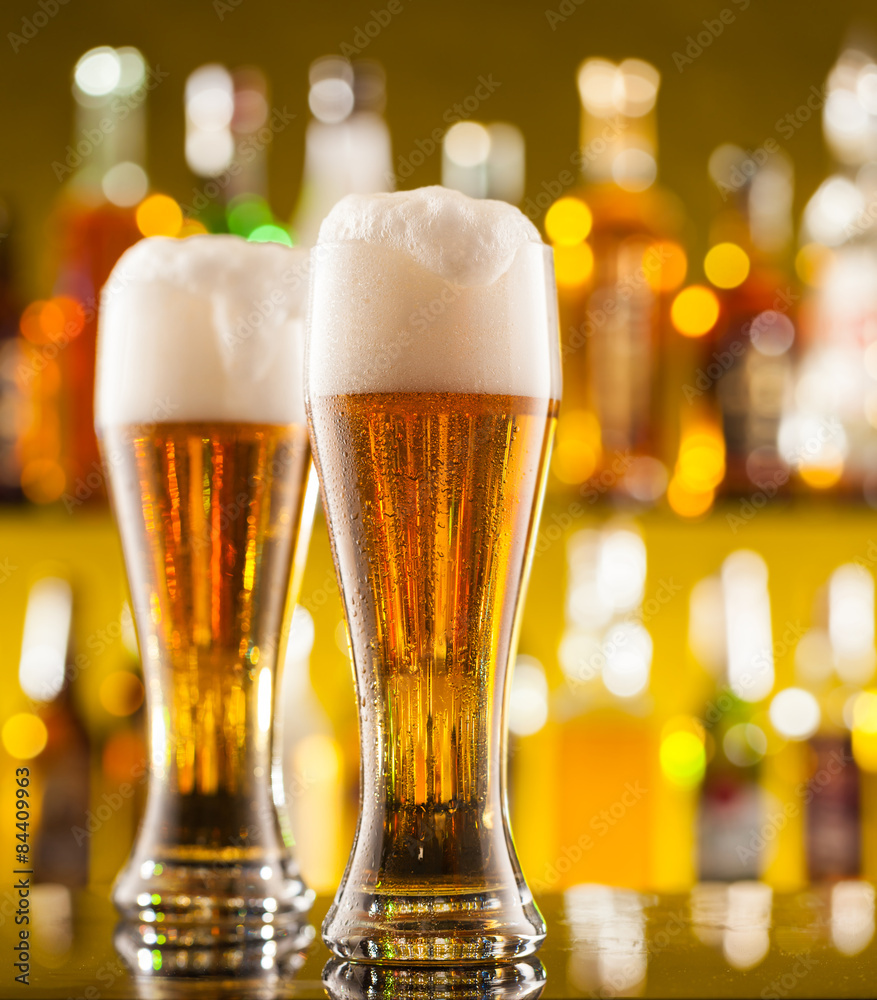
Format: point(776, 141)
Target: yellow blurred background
point(638, 755)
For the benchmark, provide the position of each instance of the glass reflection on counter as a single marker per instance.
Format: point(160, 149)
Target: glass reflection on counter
point(152, 957)
point(852, 916)
point(524, 980)
point(609, 951)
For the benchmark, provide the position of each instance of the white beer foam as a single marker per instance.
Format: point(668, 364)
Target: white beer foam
point(431, 291)
point(208, 328)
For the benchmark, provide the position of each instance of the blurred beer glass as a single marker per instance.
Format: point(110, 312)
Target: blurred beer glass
point(200, 415)
point(432, 387)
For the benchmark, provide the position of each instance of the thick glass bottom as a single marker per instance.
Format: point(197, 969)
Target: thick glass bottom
point(194, 952)
point(203, 897)
point(440, 927)
point(354, 981)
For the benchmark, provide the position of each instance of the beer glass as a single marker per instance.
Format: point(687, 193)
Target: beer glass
point(432, 384)
point(524, 980)
point(200, 416)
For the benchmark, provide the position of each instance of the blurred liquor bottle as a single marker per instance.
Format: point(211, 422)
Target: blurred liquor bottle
point(601, 712)
point(833, 808)
point(484, 161)
point(11, 401)
point(729, 634)
point(230, 126)
point(836, 391)
point(834, 662)
point(615, 257)
point(92, 225)
point(731, 813)
point(62, 771)
point(746, 361)
point(347, 142)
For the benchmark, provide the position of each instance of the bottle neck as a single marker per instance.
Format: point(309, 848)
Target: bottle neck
point(107, 133)
point(616, 148)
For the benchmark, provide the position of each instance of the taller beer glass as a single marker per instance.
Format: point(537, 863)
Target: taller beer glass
point(432, 387)
point(200, 414)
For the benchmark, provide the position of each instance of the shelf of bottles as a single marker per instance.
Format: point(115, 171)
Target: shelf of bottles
point(694, 692)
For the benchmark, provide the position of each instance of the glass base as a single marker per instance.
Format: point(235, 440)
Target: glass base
point(447, 928)
point(194, 953)
point(353, 981)
point(211, 898)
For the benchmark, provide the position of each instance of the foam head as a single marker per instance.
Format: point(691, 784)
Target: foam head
point(209, 328)
point(431, 291)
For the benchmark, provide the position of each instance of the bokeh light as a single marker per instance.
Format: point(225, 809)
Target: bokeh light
point(865, 730)
point(822, 477)
point(795, 713)
point(124, 757)
point(467, 144)
point(687, 502)
point(98, 72)
point(125, 184)
point(159, 215)
point(43, 480)
point(577, 451)
point(528, 699)
point(568, 222)
point(573, 265)
point(811, 262)
point(247, 213)
point(191, 227)
point(24, 736)
point(270, 234)
point(121, 692)
point(700, 467)
point(726, 265)
point(683, 758)
point(695, 311)
point(665, 265)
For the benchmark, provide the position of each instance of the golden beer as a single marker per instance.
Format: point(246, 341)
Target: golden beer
point(431, 500)
point(210, 515)
point(432, 383)
point(199, 409)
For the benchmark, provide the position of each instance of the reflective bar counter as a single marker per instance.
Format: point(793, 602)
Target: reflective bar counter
point(737, 940)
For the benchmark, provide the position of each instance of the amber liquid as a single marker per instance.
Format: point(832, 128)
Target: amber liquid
point(431, 500)
point(210, 517)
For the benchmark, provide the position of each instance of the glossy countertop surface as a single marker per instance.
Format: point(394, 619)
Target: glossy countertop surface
point(738, 940)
